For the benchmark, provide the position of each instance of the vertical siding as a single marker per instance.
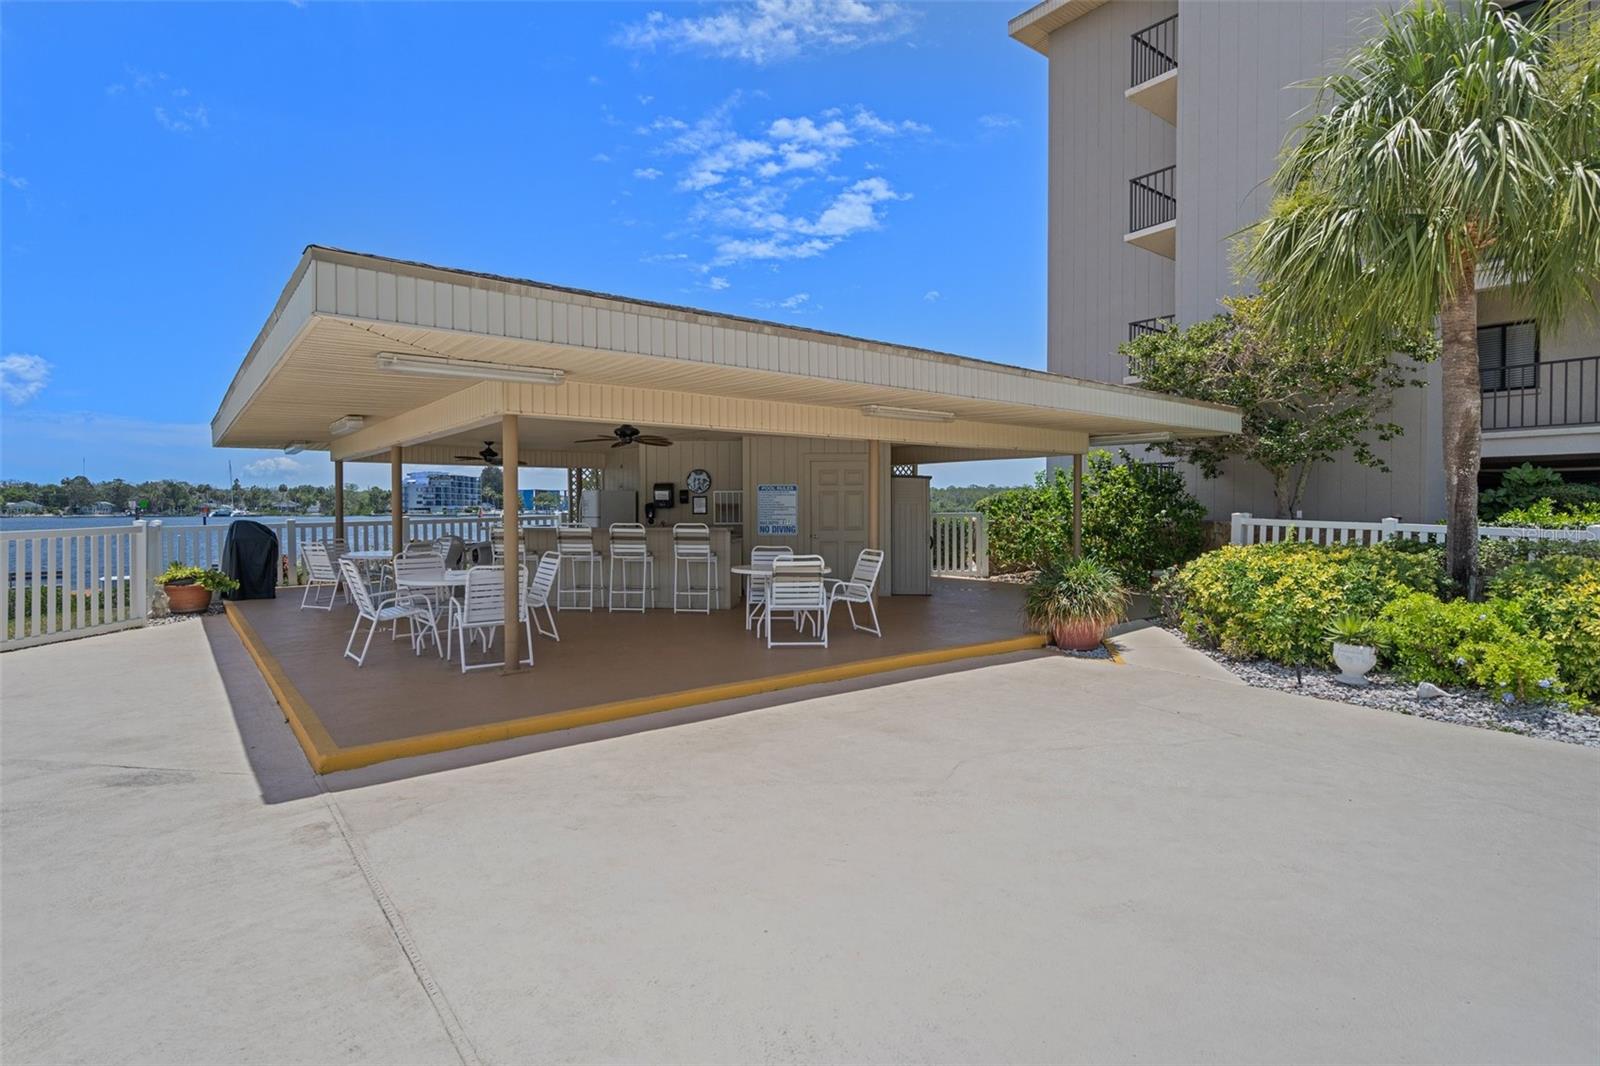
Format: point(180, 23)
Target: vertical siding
point(781, 460)
point(1098, 141)
point(722, 459)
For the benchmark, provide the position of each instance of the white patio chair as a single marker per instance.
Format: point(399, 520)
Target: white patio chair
point(377, 610)
point(691, 547)
point(755, 588)
point(497, 545)
point(581, 568)
point(796, 587)
point(544, 578)
point(629, 549)
point(481, 610)
point(424, 573)
point(859, 589)
point(321, 573)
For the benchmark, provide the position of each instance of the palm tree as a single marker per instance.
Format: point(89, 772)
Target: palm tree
point(1457, 140)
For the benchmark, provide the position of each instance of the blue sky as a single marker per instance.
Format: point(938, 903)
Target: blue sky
point(877, 170)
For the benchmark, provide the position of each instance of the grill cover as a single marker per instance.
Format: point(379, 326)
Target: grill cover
point(250, 557)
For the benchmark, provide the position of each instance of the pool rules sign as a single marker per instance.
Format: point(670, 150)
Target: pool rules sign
point(778, 510)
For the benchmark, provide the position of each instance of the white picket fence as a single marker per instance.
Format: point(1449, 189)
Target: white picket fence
point(960, 544)
point(1248, 529)
point(75, 582)
point(64, 583)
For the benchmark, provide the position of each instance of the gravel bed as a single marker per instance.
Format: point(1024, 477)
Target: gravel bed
point(215, 608)
point(1544, 720)
point(1096, 653)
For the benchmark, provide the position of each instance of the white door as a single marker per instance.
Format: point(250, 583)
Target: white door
point(837, 512)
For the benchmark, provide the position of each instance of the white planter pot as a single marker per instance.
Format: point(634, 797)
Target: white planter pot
point(1354, 662)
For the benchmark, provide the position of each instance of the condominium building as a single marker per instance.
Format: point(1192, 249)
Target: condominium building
point(1165, 123)
point(436, 492)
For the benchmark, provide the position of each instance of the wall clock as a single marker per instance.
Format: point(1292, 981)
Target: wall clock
point(698, 482)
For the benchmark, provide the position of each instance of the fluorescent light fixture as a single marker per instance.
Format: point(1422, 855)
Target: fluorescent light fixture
point(1130, 438)
point(295, 447)
point(909, 414)
point(443, 367)
point(347, 424)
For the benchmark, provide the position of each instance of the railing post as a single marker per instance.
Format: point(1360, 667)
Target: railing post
point(289, 556)
point(983, 544)
point(139, 594)
point(152, 558)
point(1390, 530)
point(1237, 535)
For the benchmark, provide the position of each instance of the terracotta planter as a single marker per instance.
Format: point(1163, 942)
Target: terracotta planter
point(1078, 636)
point(188, 599)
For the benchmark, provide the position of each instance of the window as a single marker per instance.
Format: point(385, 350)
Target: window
point(1508, 356)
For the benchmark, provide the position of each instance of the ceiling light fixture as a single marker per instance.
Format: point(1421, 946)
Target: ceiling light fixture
point(1102, 440)
point(347, 424)
point(909, 414)
point(444, 367)
point(295, 447)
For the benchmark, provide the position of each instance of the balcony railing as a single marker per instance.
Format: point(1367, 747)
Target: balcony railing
point(1548, 395)
point(1152, 199)
point(1137, 365)
point(1155, 51)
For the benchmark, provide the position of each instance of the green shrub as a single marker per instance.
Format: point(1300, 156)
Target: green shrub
point(1525, 485)
point(1492, 645)
point(1547, 514)
point(1136, 518)
point(1560, 597)
point(1276, 600)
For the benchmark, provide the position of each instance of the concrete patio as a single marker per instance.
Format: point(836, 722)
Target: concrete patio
point(1035, 859)
point(605, 666)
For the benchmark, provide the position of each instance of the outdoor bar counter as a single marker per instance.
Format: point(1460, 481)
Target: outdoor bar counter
point(538, 541)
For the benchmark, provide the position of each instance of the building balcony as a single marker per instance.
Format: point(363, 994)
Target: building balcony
point(1153, 212)
point(1153, 82)
point(1547, 398)
point(1159, 324)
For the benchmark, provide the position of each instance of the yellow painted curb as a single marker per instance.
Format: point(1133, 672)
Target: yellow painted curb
point(325, 756)
point(308, 728)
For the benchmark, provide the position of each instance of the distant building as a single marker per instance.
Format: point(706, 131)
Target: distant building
point(436, 492)
point(104, 507)
point(24, 507)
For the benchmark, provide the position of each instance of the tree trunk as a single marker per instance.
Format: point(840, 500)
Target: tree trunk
point(1463, 428)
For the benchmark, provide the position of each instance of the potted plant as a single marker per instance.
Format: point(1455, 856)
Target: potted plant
point(1075, 601)
point(1354, 649)
point(189, 588)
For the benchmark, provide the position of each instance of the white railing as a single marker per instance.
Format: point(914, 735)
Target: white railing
point(727, 507)
point(960, 544)
point(1248, 529)
point(65, 583)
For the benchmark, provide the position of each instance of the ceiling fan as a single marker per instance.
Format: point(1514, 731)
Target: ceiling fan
point(625, 435)
point(489, 457)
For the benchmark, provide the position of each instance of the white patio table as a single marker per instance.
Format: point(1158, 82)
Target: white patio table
point(761, 573)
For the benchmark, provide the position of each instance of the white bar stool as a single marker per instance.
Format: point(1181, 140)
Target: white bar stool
point(628, 548)
point(580, 568)
point(691, 547)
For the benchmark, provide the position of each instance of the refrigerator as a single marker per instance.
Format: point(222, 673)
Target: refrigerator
point(599, 508)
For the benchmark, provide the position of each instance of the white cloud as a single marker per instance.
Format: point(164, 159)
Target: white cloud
point(795, 302)
point(772, 30)
point(777, 192)
point(716, 284)
point(644, 101)
point(599, 157)
point(174, 118)
point(933, 296)
point(22, 377)
point(273, 466)
point(998, 121)
point(185, 120)
point(647, 173)
point(16, 181)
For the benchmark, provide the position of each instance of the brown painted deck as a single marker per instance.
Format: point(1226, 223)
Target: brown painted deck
point(601, 659)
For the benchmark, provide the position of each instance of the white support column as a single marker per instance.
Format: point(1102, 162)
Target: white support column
point(1237, 534)
point(509, 508)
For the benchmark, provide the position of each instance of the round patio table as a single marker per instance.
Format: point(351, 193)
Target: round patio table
point(758, 574)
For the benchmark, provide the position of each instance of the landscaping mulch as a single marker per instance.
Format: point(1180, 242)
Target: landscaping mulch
point(1547, 721)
